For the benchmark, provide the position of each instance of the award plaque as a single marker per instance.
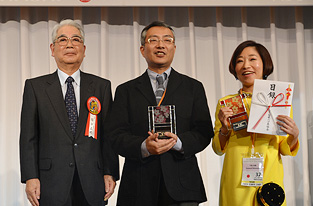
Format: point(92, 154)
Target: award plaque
point(239, 120)
point(162, 119)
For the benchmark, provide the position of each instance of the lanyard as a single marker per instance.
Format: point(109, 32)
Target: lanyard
point(162, 98)
point(253, 135)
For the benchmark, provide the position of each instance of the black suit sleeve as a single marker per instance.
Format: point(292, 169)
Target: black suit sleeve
point(29, 135)
point(124, 142)
point(110, 158)
point(198, 137)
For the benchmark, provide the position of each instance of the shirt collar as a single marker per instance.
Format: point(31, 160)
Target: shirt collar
point(153, 74)
point(63, 76)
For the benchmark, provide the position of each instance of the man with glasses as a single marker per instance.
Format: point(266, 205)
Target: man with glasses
point(65, 156)
point(160, 168)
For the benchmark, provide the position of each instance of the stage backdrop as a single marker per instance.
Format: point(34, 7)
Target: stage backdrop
point(205, 39)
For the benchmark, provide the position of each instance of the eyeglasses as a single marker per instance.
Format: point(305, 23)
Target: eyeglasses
point(63, 40)
point(165, 40)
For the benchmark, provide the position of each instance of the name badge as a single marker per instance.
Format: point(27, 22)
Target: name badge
point(252, 171)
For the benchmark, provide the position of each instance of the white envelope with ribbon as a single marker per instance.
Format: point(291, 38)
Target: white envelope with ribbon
point(269, 99)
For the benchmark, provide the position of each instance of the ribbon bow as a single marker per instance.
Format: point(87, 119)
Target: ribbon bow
point(264, 101)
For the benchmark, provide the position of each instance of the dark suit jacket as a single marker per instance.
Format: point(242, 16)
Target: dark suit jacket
point(49, 151)
point(129, 127)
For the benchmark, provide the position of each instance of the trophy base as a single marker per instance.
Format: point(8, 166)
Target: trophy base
point(162, 135)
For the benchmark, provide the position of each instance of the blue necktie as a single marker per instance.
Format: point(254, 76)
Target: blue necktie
point(160, 88)
point(70, 104)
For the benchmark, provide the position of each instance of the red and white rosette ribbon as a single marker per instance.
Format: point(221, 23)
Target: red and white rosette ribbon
point(94, 107)
point(264, 101)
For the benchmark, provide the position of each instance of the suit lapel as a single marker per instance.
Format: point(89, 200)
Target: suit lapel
point(144, 86)
point(54, 93)
point(174, 82)
point(86, 90)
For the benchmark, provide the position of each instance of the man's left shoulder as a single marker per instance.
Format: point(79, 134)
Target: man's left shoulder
point(94, 77)
point(189, 79)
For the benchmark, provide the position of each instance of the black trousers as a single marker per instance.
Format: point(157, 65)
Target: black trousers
point(76, 196)
point(166, 200)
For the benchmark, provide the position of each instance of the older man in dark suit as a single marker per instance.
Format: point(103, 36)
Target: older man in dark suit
point(160, 171)
point(65, 156)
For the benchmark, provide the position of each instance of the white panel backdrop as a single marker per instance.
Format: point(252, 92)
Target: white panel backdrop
point(206, 38)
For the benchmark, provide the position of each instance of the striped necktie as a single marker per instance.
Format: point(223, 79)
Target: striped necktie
point(70, 104)
point(160, 88)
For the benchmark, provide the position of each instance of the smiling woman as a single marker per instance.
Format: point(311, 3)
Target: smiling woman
point(249, 66)
point(250, 61)
point(247, 62)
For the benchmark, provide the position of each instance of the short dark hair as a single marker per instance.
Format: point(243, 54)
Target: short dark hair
point(268, 66)
point(153, 24)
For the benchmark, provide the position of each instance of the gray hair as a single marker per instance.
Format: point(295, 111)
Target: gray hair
point(67, 22)
point(153, 24)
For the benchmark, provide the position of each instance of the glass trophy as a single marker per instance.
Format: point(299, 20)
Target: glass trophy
point(162, 119)
point(239, 120)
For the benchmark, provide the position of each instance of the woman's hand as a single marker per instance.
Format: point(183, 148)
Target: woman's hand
point(289, 126)
point(224, 133)
point(223, 115)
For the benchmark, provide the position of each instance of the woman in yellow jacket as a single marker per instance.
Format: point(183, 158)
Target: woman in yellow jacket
point(250, 61)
